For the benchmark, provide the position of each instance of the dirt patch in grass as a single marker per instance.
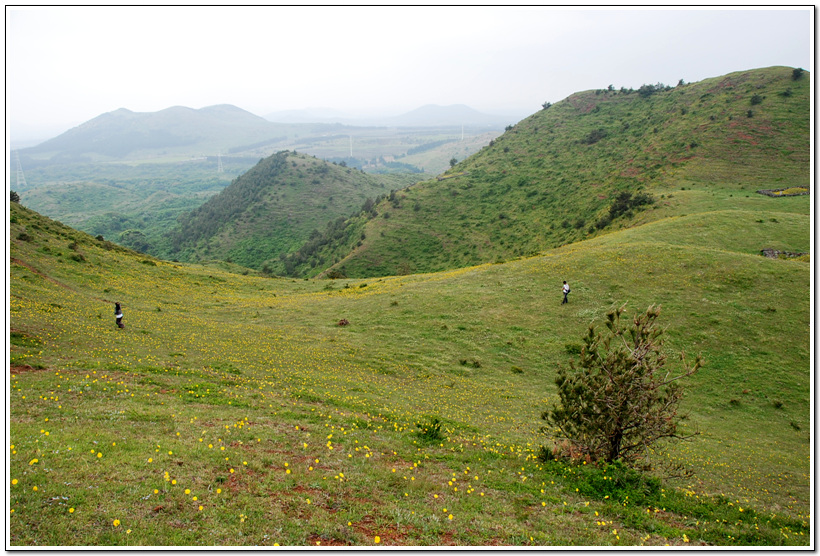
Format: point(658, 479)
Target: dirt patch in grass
point(388, 535)
point(18, 369)
point(319, 540)
point(234, 484)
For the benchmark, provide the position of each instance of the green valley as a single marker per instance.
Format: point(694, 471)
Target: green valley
point(235, 410)
point(389, 392)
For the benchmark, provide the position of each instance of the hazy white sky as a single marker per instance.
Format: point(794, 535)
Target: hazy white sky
point(66, 65)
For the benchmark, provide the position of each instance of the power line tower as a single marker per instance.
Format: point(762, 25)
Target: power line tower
point(21, 178)
point(219, 168)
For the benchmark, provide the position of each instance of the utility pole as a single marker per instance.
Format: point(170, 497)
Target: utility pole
point(219, 168)
point(21, 178)
point(351, 146)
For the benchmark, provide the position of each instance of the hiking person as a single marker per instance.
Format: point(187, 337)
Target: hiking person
point(118, 314)
point(565, 289)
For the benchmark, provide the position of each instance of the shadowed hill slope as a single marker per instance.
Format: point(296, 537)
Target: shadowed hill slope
point(270, 210)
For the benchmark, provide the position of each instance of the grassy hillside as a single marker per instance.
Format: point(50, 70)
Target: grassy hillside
point(271, 210)
point(555, 177)
point(233, 410)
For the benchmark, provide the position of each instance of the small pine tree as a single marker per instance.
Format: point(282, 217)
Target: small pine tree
point(619, 400)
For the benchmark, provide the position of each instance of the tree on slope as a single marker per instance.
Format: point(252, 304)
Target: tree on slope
point(619, 400)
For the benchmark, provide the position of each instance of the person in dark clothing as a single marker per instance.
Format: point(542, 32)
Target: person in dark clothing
point(565, 289)
point(118, 314)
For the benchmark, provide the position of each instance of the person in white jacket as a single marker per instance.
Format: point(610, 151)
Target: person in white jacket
point(565, 289)
point(118, 314)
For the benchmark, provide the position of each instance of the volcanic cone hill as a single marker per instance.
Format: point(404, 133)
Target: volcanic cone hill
point(595, 162)
point(271, 210)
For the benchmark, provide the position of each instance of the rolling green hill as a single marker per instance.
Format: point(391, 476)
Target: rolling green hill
point(238, 410)
point(271, 210)
point(595, 162)
point(234, 410)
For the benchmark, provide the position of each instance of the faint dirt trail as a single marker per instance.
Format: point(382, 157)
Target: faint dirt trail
point(49, 278)
point(40, 274)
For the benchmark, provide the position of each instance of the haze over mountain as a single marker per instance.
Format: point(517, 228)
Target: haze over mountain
point(125, 134)
point(24, 134)
point(69, 65)
point(310, 115)
point(456, 114)
point(430, 115)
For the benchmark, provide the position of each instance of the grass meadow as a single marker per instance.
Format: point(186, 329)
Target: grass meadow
point(235, 411)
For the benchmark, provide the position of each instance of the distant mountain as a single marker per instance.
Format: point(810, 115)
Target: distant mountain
point(181, 131)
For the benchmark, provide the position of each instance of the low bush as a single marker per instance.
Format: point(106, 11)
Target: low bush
point(430, 431)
